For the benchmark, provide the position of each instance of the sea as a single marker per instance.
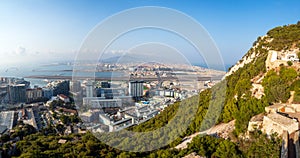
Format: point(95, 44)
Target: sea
point(54, 69)
point(63, 69)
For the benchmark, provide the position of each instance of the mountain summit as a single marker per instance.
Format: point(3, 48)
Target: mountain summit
point(267, 74)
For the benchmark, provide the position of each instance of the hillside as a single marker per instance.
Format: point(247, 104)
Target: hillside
point(267, 73)
point(258, 80)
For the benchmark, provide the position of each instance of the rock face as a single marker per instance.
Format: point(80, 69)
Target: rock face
point(275, 59)
point(193, 155)
point(240, 64)
point(222, 130)
point(257, 89)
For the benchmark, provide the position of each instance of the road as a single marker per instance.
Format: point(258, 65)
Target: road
point(222, 130)
point(189, 139)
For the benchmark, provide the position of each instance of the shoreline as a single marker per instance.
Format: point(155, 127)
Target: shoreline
point(213, 78)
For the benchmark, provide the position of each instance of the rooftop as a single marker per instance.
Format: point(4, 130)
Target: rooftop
point(63, 96)
point(294, 115)
point(258, 117)
point(62, 141)
point(275, 106)
point(282, 120)
point(2, 129)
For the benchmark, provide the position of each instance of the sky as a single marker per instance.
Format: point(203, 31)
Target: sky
point(49, 30)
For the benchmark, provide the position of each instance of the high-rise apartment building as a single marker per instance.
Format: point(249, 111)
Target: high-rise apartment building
point(17, 93)
point(136, 89)
point(89, 88)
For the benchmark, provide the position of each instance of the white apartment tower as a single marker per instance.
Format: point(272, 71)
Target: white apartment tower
point(89, 88)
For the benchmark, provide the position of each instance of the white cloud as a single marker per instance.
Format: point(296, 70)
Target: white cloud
point(20, 51)
point(27, 56)
point(119, 51)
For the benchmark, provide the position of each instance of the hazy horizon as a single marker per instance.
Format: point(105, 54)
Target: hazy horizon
point(32, 31)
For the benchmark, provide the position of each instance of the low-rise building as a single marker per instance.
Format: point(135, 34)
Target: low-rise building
point(86, 116)
point(90, 116)
point(59, 87)
point(276, 123)
point(256, 123)
point(64, 98)
point(290, 56)
point(3, 129)
point(7, 119)
point(275, 108)
point(104, 119)
point(121, 124)
point(283, 108)
point(100, 102)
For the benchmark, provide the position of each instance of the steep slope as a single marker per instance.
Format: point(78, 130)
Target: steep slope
point(266, 74)
point(252, 83)
point(261, 77)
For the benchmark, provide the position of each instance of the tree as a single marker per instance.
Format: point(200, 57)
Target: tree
point(4, 138)
point(259, 145)
point(227, 149)
point(64, 119)
point(60, 128)
point(276, 87)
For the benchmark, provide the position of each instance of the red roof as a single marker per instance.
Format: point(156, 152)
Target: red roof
point(63, 96)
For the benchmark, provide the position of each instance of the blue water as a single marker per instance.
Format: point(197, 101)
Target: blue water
point(57, 70)
point(217, 67)
point(49, 70)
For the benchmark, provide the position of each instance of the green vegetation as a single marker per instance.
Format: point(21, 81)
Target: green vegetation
point(277, 84)
point(87, 145)
point(258, 145)
point(175, 119)
point(296, 87)
point(285, 37)
point(212, 147)
point(59, 103)
point(67, 120)
point(231, 98)
point(37, 145)
point(232, 95)
point(21, 130)
point(239, 104)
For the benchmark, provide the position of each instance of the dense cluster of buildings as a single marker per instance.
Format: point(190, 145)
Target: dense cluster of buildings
point(112, 106)
point(102, 106)
point(283, 120)
point(115, 105)
point(17, 90)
